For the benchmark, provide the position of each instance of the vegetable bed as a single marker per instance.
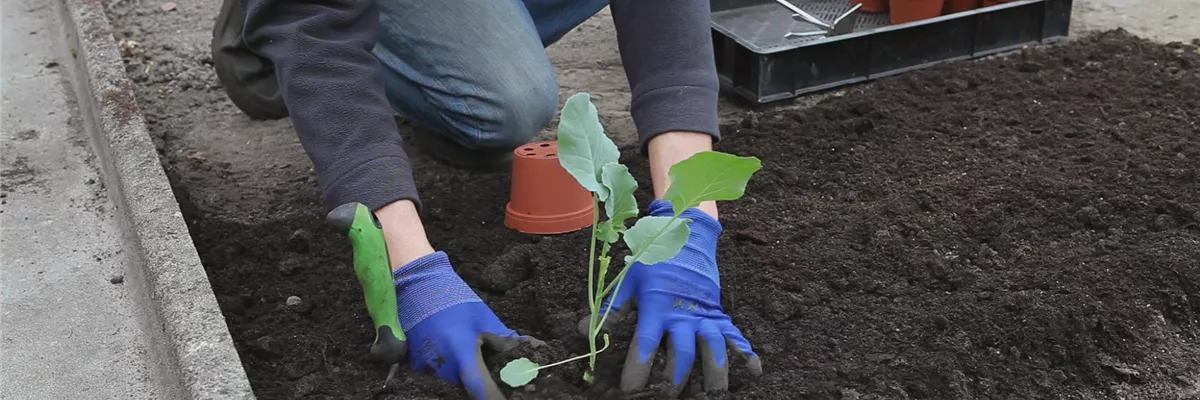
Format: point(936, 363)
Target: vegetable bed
point(1019, 227)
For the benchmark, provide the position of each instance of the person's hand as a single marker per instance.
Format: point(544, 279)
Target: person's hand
point(680, 299)
point(447, 323)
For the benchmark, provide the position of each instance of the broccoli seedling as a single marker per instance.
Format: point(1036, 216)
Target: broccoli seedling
point(593, 160)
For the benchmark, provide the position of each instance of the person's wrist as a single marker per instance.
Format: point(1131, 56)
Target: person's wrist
point(429, 285)
point(669, 148)
point(435, 262)
point(698, 255)
point(430, 272)
point(403, 232)
point(703, 223)
point(432, 267)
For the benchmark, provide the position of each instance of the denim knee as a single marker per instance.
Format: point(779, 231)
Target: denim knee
point(475, 72)
point(515, 111)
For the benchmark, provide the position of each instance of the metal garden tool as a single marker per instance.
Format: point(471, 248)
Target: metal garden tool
point(842, 25)
point(374, 271)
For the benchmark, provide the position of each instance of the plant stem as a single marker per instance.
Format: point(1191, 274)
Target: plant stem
point(621, 276)
point(606, 343)
point(635, 257)
point(595, 281)
point(592, 253)
point(593, 322)
point(593, 305)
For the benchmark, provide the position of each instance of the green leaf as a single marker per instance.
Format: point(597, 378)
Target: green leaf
point(606, 233)
point(709, 175)
point(519, 372)
point(620, 204)
point(582, 146)
point(651, 249)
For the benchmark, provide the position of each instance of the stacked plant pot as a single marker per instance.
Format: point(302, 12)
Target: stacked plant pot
point(545, 199)
point(902, 11)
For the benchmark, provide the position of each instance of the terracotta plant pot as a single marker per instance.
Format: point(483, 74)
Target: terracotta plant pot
point(545, 199)
point(957, 6)
point(872, 6)
point(903, 11)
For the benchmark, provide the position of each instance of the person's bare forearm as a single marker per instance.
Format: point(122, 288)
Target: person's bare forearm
point(666, 50)
point(669, 148)
point(403, 232)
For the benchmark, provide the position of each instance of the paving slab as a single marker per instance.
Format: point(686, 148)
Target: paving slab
point(70, 325)
point(101, 291)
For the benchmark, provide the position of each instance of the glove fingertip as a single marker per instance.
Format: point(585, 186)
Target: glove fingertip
point(535, 342)
point(477, 380)
point(646, 342)
point(754, 364)
point(740, 345)
point(681, 355)
point(636, 372)
point(584, 325)
point(482, 389)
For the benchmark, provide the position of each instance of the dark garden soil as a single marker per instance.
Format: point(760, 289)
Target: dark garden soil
point(1019, 227)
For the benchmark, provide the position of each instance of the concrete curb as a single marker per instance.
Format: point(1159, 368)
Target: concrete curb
point(193, 352)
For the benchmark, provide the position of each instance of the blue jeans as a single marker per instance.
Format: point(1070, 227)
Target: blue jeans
point(476, 71)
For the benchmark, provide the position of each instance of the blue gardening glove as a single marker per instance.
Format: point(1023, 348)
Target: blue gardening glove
point(447, 323)
point(680, 299)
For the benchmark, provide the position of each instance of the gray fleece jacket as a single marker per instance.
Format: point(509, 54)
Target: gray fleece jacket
point(334, 92)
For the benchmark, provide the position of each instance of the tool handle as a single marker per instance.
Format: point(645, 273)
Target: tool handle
point(374, 271)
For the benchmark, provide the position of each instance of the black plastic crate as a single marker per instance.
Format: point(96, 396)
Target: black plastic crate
point(757, 62)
